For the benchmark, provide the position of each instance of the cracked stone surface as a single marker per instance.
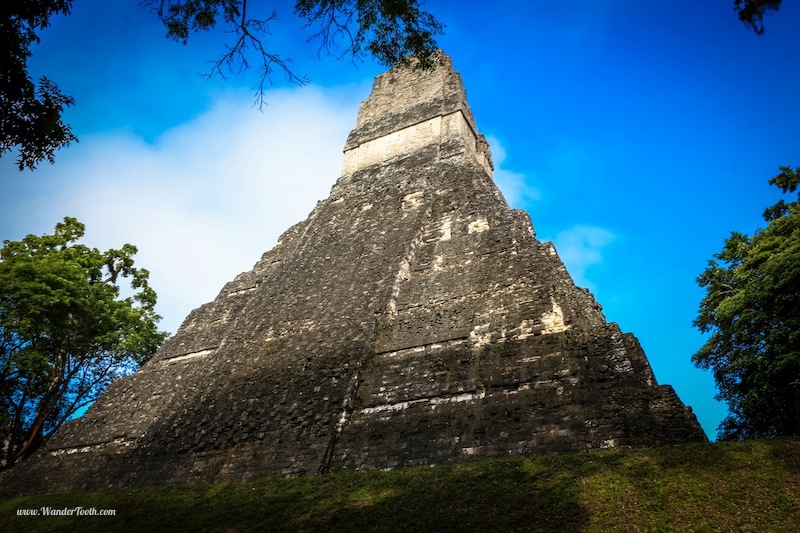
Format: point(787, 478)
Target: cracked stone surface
point(411, 319)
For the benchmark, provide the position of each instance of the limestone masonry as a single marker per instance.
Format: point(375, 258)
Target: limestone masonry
point(412, 319)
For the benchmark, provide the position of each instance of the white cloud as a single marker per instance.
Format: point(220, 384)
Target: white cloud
point(204, 201)
point(581, 247)
point(516, 187)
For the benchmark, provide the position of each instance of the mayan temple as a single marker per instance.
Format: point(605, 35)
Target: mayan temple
point(411, 319)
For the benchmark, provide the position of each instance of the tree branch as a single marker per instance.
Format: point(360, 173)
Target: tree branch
point(332, 28)
point(247, 37)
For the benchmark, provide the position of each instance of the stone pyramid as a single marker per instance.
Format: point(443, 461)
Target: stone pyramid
point(412, 319)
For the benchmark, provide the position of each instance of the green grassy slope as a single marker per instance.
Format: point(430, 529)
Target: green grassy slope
point(745, 486)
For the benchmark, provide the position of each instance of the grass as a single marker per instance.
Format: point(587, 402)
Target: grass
point(741, 486)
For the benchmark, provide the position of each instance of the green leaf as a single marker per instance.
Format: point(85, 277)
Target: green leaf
point(61, 318)
point(751, 310)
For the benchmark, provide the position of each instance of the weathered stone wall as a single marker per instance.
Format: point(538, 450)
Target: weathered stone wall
point(413, 318)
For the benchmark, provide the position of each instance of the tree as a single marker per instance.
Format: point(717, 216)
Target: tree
point(389, 30)
point(30, 115)
point(752, 12)
point(752, 311)
point(65, 334)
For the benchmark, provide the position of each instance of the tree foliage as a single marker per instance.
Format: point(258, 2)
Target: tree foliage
point(65, 333)
point(389, 30)
point(752, 311)
point(30, 114)
point(752, 12)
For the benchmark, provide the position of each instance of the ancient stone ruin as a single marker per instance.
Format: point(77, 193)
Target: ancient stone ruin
point(412, 319)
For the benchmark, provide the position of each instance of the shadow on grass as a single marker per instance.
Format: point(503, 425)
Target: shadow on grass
point(737, 486)
point(514, 495)
point(787, 452)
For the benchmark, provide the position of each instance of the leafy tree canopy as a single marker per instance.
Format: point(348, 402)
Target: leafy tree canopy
point(65, 333)
point(752, 311)
point(30, 114)
point(752, 12)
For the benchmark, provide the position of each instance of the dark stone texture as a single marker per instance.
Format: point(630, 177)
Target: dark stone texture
point(412, 319)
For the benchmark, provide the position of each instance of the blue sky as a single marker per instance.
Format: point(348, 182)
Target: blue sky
point(636, 134)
